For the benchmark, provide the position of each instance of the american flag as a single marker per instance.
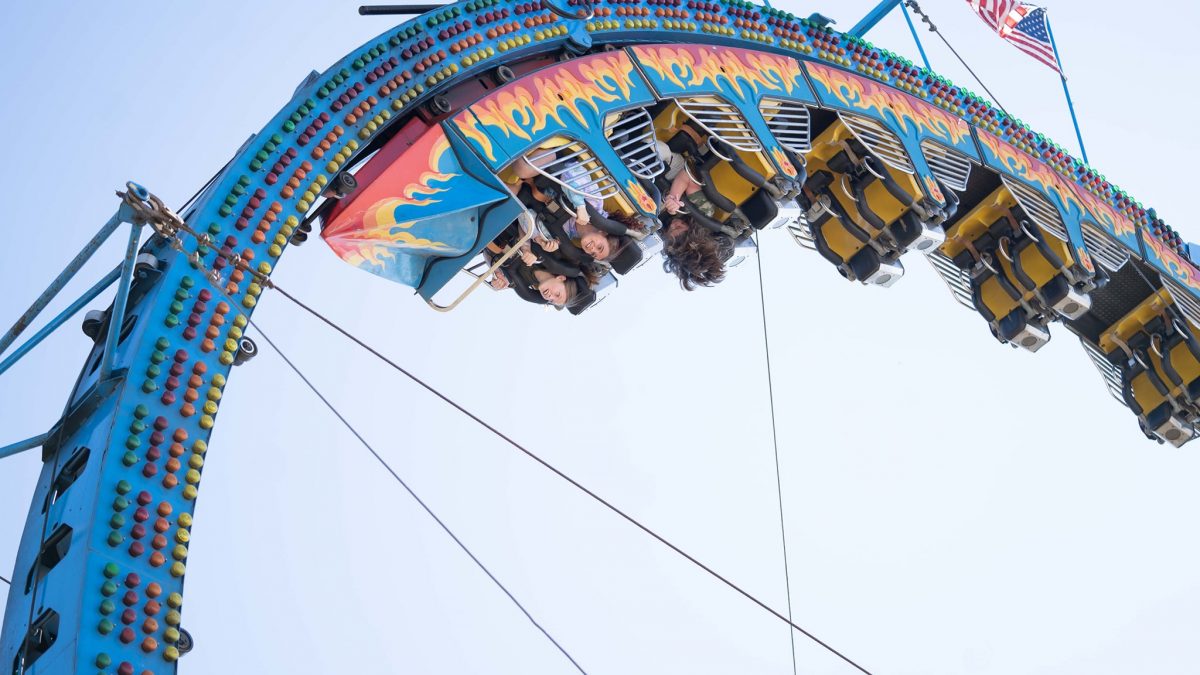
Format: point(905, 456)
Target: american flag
point(1023, 25)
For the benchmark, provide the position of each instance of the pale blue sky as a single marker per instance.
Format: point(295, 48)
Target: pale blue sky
point(953, 506)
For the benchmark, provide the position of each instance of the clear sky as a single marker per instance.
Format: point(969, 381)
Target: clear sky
point(952, 505)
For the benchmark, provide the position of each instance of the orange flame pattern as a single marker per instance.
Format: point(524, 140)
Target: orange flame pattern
point(931, 187)
point(691, 66)
point(1085, 259)
point(639, 195)
point(1031, 169)
point(1181, 269)
point(782, 161)
point(371, 236)
point(861, 93)
point(523, 110)
point(1111, 219)
point(1107, 217)
point(365, 247)
point(468, 126)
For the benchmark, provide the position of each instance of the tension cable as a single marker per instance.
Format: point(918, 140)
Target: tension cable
point(787, 580)
point(169, 225)
point(421, 502)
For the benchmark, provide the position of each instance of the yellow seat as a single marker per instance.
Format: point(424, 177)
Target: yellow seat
point(824, 148)
point(979, 221)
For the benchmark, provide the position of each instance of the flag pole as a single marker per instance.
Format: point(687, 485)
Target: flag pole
point(1066, 90)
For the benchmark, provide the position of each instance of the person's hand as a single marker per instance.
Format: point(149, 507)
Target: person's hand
point(528, 257)
point(581, 216)
point(672, 204)
point(499, 281)
point(548, 245)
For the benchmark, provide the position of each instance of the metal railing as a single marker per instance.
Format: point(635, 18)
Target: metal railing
point(950, 167)
point(574, 166)
point(880, 140)
point(1185, 301)
point(528, 224)
point(790, 122)
point(957, 279)
point(802, 233)
point(722, 120)
point(1111, 255)
point(632, 137)
point(1109, 371)
point(1037, 207)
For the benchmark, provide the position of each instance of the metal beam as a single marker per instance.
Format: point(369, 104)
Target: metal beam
point(61, 318)
point(22, 446)
point(873, 17)
point(59, 282)
point(118, 309)
point(385, 10)
point(916, 38)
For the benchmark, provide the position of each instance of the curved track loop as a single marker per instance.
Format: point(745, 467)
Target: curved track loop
point(124, 468)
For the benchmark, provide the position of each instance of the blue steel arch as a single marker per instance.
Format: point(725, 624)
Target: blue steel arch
point(120, 525)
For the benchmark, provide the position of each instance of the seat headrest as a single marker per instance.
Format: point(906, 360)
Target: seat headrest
point(581, 302)
point(626, 258)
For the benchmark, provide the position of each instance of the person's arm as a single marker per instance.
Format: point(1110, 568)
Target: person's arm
point(499, 280)
point(527, 255)
point(599, 221)
point(566, 248)
point(557, 266)
point(674, 197)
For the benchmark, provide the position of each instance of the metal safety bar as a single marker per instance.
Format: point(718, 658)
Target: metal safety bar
point(529, 225)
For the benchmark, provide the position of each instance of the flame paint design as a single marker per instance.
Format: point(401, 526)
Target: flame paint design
point(1032, 170)
point(1085, 259)
point(1108, 217)
point(1183, 271)
point(782, 161)
point(639, 195)
point(525, 109)
point(863, 94)
point(364, 248)
point(372, 236)
point(1026, 165)
point(468, 126)
point(932, 188)
point(746, 72)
